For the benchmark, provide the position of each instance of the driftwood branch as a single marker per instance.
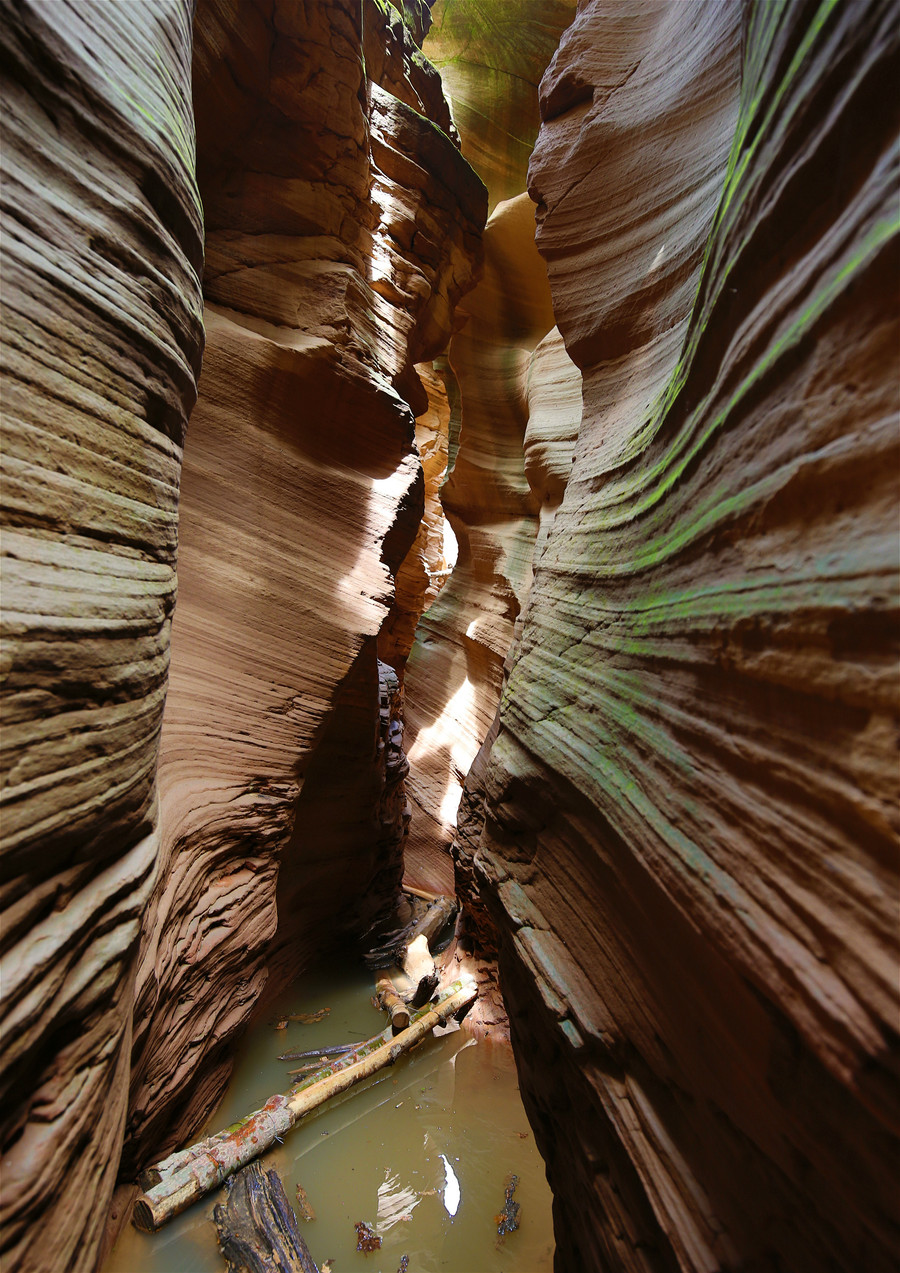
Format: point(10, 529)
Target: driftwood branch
point(390, 1001)
point(421, 894)
point(179, 1180)
point(257, 1228)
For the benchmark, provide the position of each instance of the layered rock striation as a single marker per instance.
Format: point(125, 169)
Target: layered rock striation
point(102, 251)
point(491, 58)
point(342, 226)
point(425, 568)
point(455, 670)
point(690, 808)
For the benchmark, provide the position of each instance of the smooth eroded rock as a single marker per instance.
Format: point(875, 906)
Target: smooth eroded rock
point(690, 808)
point(102, 250)
point(343, 225)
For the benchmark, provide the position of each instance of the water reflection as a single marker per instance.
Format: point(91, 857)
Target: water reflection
point(451, 1189)
point(385, 1153)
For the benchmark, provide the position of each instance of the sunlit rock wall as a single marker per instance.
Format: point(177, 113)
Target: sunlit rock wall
point(690, 833)
point(455, 670)
point(491, 55)
point(102, 251)
point(491, 59)
point(423, 571)
point(342, 227)
point(553, 407)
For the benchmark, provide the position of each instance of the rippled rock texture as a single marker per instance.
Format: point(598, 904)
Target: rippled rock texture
point(690, 811)
point(342, 226)
point(102, 251)
point(455, 670)
point(425, 568)
point(491, 58)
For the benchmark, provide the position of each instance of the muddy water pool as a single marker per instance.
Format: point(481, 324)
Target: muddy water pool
point(421, 1151)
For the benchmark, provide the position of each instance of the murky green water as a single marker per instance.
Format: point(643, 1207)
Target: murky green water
point(421, 1151)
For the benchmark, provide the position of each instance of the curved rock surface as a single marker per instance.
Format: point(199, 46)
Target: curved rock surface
point(491, 57)
point(102, 250)
point(455, 670)
point(424, 569)
point(342, 227)
point(690, 812)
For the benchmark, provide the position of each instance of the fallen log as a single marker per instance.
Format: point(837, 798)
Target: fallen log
point(257, 1228)
point(173, 1184)
point(439, 913)
point(391, 1003)
point(417, 961)
point(336, 1049)
point(419, 966)
point(420, 893)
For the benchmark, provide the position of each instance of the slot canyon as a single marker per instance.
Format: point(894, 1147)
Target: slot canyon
point(455, 445)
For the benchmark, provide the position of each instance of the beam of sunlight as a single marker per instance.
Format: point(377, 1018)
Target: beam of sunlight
point(453, 729)
point(451, 546)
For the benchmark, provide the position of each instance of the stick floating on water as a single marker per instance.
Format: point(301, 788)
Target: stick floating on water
point(179, 1180)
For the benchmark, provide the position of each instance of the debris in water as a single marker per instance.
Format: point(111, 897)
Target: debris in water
point(337, 1049)
point(404, 1264)
point(328, 1266)
point(281, 1023)
point(508, 1219)
point(310, 1018)
point(309, 1068)
point(256, 1221)
point(366, 1238)
point(306, 1211)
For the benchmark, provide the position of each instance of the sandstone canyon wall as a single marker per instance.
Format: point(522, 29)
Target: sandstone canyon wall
point(673, 483)
point(102, 252)
point(686, 827)
point(342, 226)
point(454, 673)
point(491, 58)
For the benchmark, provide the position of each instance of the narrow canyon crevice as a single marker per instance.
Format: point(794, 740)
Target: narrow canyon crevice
point(333, 265)
point(610, 290)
